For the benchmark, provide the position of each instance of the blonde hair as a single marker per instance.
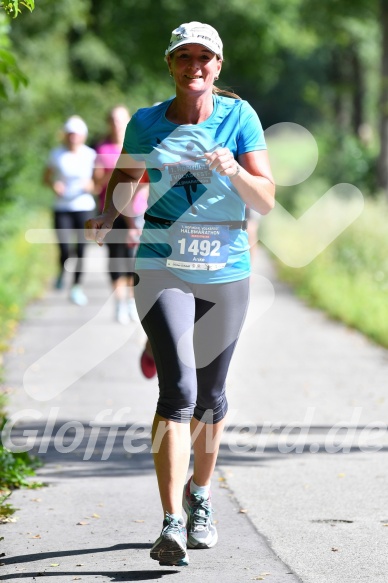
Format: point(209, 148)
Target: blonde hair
point(224, 92)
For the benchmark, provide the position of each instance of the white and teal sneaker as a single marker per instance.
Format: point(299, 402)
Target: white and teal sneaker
point(170, 548)
point(201, 532)
point(77, 296)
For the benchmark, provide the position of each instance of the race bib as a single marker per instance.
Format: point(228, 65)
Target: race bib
point(198, 246)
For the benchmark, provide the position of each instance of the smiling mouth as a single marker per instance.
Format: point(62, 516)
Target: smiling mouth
point(189, 77)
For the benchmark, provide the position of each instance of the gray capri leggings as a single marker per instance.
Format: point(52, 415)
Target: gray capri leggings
point(193, 330)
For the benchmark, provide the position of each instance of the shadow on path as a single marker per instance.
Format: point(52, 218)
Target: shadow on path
point(113, 575)
point(57, 554)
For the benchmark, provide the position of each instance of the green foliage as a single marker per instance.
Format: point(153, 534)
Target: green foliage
point(16, 468)
point(349, 280)
point(12, 7)
point(10, 72)
point(344, 157)
point(6, 510)
point(24, 268)
point(15, 471)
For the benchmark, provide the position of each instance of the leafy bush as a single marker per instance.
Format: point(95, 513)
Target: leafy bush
point(15, 468)
point(349, 279)
point(344, 157)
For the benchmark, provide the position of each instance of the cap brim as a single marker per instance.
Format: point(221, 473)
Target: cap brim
point(191, 42)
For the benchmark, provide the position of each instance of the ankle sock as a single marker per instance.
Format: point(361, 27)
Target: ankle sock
point(203, 491)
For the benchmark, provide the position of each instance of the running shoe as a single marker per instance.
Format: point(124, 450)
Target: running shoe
point(77, 296)
point(147, 365)
point(59, 282)
point(201, 532)
point(171, 546)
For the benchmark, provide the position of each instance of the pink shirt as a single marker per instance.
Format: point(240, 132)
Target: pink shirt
point(107, 156)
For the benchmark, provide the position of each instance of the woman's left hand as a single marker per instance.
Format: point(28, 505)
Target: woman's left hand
point(222, 161)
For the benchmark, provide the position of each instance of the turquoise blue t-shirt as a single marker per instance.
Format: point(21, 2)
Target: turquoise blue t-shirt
point(183, 189)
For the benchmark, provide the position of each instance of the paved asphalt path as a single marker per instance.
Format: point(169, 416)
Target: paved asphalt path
point(298, 492)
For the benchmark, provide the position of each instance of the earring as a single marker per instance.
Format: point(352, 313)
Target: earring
point(216, 78)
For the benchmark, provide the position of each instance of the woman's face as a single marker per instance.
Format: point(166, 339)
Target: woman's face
point(194, 67)
point(73, 139)
point(119, 118)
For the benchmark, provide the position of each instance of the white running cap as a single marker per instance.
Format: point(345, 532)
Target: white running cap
point(198, 33)
point(75, 125)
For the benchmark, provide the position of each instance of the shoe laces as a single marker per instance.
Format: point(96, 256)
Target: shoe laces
point(201, 510)
point(172, 525)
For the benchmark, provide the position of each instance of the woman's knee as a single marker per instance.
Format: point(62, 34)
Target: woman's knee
point(175, 411)
point(212, 411)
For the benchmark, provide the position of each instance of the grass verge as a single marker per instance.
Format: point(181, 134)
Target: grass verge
point(349, 280)
point(24, 272)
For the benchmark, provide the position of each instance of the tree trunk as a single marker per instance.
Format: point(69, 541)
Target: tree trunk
point(358, 91)
point(338, 81)
point(383, 156)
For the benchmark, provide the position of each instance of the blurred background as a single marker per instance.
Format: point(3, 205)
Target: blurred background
point(322, 65)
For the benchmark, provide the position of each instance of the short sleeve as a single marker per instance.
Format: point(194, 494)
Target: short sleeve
point(53, 159)
point(251, 135)
point(131, 139)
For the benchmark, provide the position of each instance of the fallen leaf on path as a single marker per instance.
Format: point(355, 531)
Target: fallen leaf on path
point(334, 549)
point(138, 521)
point(221, 479)
point(36, 499)
point(82, 523)
point(36, 536)
point(341, 475)
point(76, 578)
point(54, 565)
point(80, 565)
point(94, 515)
point(243, 511)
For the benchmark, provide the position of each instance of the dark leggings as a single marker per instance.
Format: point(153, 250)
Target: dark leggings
point(65, 223)
point(192, 361)
point(121, 257)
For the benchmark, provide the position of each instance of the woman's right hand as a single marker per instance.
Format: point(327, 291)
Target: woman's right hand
point(98, 227)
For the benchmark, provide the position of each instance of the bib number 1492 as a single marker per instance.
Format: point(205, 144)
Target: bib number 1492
point(198, 246)
point(202, 247)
